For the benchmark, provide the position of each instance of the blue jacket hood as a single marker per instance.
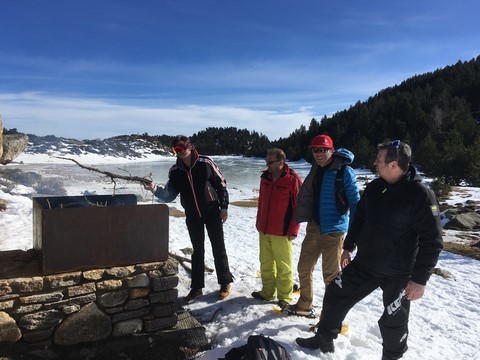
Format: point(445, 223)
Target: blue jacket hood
point(342, 156)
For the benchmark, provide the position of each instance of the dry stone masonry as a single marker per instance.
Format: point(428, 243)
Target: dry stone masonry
point(84, 306)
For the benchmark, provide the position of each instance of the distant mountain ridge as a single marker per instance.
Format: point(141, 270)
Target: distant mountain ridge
point(124, 146)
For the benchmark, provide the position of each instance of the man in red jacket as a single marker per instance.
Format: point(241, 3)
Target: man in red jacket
point(277, 203)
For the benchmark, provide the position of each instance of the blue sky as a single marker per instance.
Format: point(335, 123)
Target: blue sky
point(98, 68)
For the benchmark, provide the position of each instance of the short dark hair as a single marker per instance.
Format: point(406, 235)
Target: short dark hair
point(279, 153)
point(397, 151)
point(179, 138)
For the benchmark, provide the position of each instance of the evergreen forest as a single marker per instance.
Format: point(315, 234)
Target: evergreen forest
point(437, 113)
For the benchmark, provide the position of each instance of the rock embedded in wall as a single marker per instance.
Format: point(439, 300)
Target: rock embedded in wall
point(41, 320)
point(127, 327)
point(88, 324)
point(9, 331)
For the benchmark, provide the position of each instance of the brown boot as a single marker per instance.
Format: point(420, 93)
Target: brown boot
point(224, 291)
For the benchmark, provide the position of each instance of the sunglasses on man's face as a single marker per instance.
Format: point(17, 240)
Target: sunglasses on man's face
point(179, 149)
point(270, 162)
point(320, 150)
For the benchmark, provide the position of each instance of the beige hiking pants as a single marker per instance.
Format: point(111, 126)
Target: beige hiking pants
point(329, 246)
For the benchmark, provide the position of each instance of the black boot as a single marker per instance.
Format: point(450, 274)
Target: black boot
point(317, 342)
point(390, 357)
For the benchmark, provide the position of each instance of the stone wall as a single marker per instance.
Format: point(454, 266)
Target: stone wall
point(85, 306)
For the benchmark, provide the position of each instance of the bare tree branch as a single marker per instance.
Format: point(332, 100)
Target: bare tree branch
point(183, 259)
point(112, 176)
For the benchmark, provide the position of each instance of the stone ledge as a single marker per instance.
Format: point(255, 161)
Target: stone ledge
point(84, 308)
point(182, 342)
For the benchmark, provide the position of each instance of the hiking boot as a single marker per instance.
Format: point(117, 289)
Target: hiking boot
point(192, 296)
point(295, 310)
point(224, 291)
point(282, 304)
point(317, 342)
point(257, 295)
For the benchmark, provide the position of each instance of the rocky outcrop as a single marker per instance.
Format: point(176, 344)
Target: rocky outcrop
point(13, 145)
point(466, 222)
point(464, 218)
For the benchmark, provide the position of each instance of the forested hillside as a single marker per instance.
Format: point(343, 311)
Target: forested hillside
point(437, 113)
point(231, 141)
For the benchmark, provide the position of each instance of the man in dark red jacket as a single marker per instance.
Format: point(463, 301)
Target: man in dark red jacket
point(204, 196)
point(398, 236)
point(277, 203)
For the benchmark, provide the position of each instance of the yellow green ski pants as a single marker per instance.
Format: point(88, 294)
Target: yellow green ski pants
point(276, 266)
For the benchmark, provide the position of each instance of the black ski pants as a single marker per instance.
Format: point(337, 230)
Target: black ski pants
point(196, 229)
point(354, 284)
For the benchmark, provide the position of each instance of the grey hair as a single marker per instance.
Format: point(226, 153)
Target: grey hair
point(279, 153)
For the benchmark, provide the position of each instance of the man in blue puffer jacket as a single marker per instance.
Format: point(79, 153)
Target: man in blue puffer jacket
point(398, 237)
point(327, 226)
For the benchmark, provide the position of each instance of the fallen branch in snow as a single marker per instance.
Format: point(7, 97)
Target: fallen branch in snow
point(186, 266)
point(112, 176)
point(182, 260)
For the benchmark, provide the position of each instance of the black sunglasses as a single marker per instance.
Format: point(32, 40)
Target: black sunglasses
point(320, 150)
point(271, 162)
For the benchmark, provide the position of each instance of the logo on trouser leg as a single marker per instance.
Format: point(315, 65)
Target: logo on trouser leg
point(338, 280)
point(396, 304)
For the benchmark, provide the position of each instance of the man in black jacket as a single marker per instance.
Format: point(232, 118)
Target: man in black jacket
point(398, 236)
point(204, 196)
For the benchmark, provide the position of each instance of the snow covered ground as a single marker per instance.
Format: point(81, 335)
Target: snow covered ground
point(444, 324)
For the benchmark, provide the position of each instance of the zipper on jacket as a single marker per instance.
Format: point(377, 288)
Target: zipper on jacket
point(190, 180)
point(269, 202)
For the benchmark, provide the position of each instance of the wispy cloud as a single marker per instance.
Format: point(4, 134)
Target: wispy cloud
point(81, 118)
point(283, 85)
